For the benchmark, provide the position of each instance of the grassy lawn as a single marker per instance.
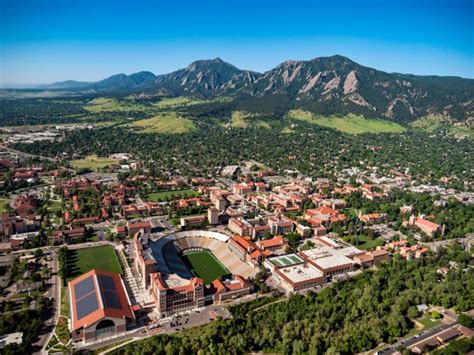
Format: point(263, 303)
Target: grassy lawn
point(169, 102)
point(3, 204)
point(167, 122)
point(428, 323)
point(366, 244)
point(54, 206)
point(84, 260)
point(92, 162)
point(102, 104)
point(182, 101)
point(64, 310)
point(350, 123)
point(62, 330)
point(204, 265)
point(433, 123)
point(166, 195)
point(242, 119)
point(462, 131)
point(429, 123)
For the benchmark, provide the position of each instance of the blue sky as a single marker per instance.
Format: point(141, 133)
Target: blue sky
point(43, 41)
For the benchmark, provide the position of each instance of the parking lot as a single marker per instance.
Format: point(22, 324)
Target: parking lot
point(194, 318)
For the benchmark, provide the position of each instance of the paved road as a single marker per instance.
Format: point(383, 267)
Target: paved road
point(172, 325)
point(416, 338)
point(54, 295)
point(166, 326)
point(8, 149)
point(442, 243)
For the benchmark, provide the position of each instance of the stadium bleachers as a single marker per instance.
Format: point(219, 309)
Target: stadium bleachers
point(167, 251)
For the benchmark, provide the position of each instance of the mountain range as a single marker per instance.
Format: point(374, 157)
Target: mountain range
point(325, 85)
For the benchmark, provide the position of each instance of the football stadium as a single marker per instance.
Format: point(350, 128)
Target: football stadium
point(200, 254)
point(185, 270)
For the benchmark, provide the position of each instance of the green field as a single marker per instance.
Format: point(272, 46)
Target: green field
point(166, 195)
point(103, 104)
point(182, 101)
point(204, 265)
point(428, 323)
point(167, 122)
point(429, 123)
point(434, 123)
point(242, 119)
point(169, 102)
point(84, 260)
point(54, 206)
point(367, 244)
point(350, 123)
point(92, 162)
point(3, 204)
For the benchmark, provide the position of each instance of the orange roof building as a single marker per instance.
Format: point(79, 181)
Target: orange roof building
point(230, 289)
point(99, 306)
point(172, 300)
point(427, 227)
point(247, 250)
point(274, 244)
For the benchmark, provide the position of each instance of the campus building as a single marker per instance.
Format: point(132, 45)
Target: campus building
point(427, 227)
point(213, 215)
point(274, 245)
point(230, 289)
point(99, 306)
point(330, 264)
point(294, 273)
point(143, 258)
point(172, 285)
point(247, 250)
point(172, 300)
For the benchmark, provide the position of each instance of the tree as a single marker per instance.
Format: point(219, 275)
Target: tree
point(466, 320)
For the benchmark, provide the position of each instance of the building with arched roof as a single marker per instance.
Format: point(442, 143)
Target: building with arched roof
point(99, 306)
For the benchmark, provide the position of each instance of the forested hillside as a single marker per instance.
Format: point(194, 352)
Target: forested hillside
point(349, 317)
point(324, 85)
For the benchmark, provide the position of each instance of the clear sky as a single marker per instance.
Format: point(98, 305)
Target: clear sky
point(43, 41)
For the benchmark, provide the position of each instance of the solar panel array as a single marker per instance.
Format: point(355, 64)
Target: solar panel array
point(109, 292)
point(107, 282)
point(85, 297)
point(111, 299)
point(84, 287)
point(86, 305)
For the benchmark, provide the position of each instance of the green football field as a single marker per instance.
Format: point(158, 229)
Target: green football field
point(101, 258)
point(204, 265)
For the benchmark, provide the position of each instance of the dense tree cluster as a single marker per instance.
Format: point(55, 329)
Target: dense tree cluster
point(306, 148)
point(456, 217)
point(40, 111)
point(349, 317)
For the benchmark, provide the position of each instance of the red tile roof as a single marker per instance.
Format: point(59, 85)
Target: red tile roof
point(102, 311)
point(426, 223)
point(274, 242)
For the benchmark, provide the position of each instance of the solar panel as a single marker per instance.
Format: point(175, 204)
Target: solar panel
point(84, 287)
point(86, 305)
point(107, 282)
point(111, 299)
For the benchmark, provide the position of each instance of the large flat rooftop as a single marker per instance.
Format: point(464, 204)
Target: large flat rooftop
point(333, 261)
point(327, 257)
point(301, 272)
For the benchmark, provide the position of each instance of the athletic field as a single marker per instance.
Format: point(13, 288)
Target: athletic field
point(84, 260)
point(204, 265)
